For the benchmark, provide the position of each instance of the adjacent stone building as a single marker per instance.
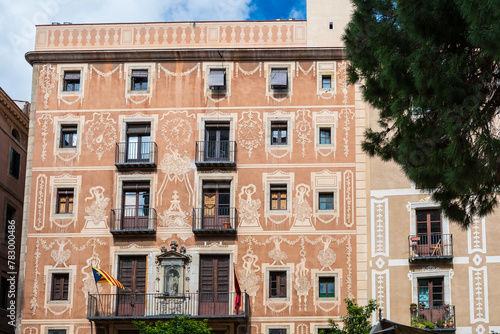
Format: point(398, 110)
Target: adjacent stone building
point(179, 156)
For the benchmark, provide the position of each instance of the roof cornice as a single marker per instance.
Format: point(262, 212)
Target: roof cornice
point(12, 111)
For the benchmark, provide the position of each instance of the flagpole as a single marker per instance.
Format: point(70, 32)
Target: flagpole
point(97, 289)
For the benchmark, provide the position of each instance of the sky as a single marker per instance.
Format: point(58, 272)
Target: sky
point(19, 17)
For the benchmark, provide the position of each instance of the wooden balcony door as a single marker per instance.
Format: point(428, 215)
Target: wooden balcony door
point(429, 231)
point(214, 285)
point(216, 204)
point(217, 142)
point(135, 206)
point(138, 142)
point(132, 274)
point(431, 295)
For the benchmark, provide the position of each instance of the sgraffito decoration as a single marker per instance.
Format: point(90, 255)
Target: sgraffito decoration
point(344, 83)
point(46, 81)
point(97, 213)
point(118, 68)
point(302, 212)
point(238, 68)
point(101, 133)
point(41, 194)
point(248, 207)
point(248, 276)
point(303, 126)
point(44, 121)
point(250, 133)
point(347, 115)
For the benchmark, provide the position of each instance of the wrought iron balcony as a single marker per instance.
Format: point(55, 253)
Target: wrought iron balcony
point(215, 153)
point(136, 155)
point(442, 317)
point(133, 220)
point(430, 246)
point(209, 220)
point(142, 306)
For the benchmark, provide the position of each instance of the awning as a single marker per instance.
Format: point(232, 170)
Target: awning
point(388, 327)
point(217, 78)
point(140, 73)
point(71, 75)
point(279, 77)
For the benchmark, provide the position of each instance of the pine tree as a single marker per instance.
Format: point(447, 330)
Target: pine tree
point(431, 68)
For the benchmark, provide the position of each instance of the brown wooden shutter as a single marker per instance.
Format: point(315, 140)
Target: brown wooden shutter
point(132, 273)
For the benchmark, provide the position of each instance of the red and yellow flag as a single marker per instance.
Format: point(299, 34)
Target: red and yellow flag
point(101, 276)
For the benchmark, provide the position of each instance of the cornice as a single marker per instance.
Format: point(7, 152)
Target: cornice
point(267, 54)
point(12, 111)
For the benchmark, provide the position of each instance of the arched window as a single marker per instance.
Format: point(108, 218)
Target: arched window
point(15, 134)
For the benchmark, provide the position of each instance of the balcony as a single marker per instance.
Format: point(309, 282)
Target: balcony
point(136, 155)
point(215, 154)
point(437, 318)
point(430, 247)
point(141, 306)
point(216, 220)
point(133, 221)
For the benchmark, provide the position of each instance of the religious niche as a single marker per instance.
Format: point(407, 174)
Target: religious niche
point(172, 268)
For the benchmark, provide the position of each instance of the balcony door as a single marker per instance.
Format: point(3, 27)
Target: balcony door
point(138, 142)
point(217, 142)
point(135, 214)
point(431, 296)
point(216, 202)
point(429, 232)
point(132, 274)
point(214, 285)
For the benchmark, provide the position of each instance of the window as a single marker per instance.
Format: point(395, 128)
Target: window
point(138, 142)
point(217, 79)
point(65, 201)
point(139, 80)
point(325, 201)
point(69, 135)
point(277, 284)
point(279, 133)
point(216, 143)
point(278, 197)
point(326, 81)
point(430, 292)
point(277, 331)
point(214, 284)
point(327, 287)
point(59, 289)
point(4, 289)
point(325, 136)
point(71, 81)
point(428, 221)
point(9, 216)
point(16, 135)
point(136, 211)
point(15, 163)
point(279, 78)
point(216, 205)
point(56, 331)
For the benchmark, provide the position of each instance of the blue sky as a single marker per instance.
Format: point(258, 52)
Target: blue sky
point(18, 20)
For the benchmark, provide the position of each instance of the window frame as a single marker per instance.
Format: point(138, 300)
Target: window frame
point(217, 89)
point(321, 129)
point(71, 128)
point(59, 192)
point(320, 278)
point(132, 79)
point(66, 281)
point(280, 190)
point(329, 77)
point(279, 126)
point(281, 281)
point(326, 69)
point(14, 163)
point(74, 82)
point(337, 277)
point(273, 70)
point(332, 193)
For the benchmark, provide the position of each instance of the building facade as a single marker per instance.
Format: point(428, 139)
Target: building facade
point(181, 156)
point(13, 143)
point(417, 256)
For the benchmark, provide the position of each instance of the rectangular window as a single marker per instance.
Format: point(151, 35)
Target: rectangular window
point(56, 331)
point(138, 142)
point(135, 206)
point(325, 135)
point(279, 133)
point(65, 200)
point(15, 163)
point(326, 81)
point(139, 80)
point(71, 81)
point(217, 79)
point(277, 331)
point(327, 287)
point(277, 284)
point(60, 284)
point(4, 288)
point(69, 135)
point(278, 197)
point(326, 201)
point(430, 292)
point(279, 78)
point(9, 216)
point(428, 221)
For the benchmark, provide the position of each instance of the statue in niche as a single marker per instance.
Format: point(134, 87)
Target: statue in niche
point(172, 284)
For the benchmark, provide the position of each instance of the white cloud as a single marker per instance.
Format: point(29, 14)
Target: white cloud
point(18, 20)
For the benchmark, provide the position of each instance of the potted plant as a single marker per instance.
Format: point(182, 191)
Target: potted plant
point(413, 307)
point(440, 323)
point(429, 324)
point(421, 306)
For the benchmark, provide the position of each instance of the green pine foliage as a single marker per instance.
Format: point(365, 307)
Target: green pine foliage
point(431, 68)
point(356, 321)
point(178, 325)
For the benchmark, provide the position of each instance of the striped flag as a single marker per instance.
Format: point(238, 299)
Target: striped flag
point(101, 276)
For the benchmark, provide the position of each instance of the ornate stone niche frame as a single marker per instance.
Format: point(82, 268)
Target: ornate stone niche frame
point(229, 67)
point(327, 303)
point(172, 268)
point(270, 92)
point(278, 305)
point(279, 151)
point(325, 119)
point(71, 97)
point(426, 203)
point(58, 307)
point(61, 182)
point(44, 329)
point(327, 68)
point(123, 120)
point(323, 182)
point(276, 178)
point(141, 96)
point(68, 153)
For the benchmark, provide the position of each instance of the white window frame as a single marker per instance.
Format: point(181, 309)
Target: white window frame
point(289, 273)
point(65, 181)
point(62, 69)
point(326, 68)
point(268, 67)
point(317, 276)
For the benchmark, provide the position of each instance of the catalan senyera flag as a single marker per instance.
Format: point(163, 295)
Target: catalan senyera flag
point(101, 276)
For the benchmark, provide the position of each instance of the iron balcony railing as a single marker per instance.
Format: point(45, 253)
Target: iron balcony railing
point(442, 317)
point(129, 154)
point(215, 219)
point(430, 246)
point(139, 219)
point(218, 153)
point(164, 305)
